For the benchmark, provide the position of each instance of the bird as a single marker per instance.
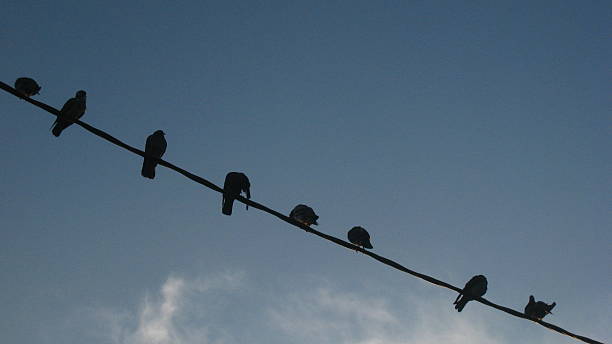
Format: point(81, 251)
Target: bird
point(27, 86)
point(235, 183)
point(474, 288)
point(538, 310)
point(154, 148)
point(304, 214)
point(360, 237)
point(72, 110)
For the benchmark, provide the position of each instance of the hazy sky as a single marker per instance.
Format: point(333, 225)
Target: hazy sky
point(467, 137)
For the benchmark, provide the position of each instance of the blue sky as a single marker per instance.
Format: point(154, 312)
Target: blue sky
point(468, 138)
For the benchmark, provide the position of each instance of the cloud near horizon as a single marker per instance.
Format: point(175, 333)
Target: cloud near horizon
point(169, 318)
point(177, 315)
point(328, 316)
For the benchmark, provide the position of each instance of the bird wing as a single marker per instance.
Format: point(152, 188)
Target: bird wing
point(470, 284)
point(155, 146)
point(149, 144)
point(232, 184)
point(163, 146)
point(80, 109)
point(476, 286)
point(68, 106)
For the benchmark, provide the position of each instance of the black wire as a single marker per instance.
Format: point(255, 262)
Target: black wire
point(289, 220)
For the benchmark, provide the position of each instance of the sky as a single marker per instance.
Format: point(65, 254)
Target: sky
point(467, 137)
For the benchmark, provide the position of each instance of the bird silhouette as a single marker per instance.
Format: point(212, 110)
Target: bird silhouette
point(72, 110)
point(304, 214)
point(474, 288)
point(360, 237)
point(27, 86)
point(235, 183)
point(155, 147)
point(538, 310)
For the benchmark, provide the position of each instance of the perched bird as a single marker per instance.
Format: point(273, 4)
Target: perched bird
point(475, 287)
point(360, 237)
point(235, 183)
point(304, 214)
point(28, 87)
point(72, 110)
point(538, 310)
point(155, 147)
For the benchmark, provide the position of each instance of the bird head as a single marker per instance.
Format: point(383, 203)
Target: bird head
point(81, 94)
point(159, 132)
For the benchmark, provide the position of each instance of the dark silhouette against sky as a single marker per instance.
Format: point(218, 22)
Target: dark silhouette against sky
point(73, 109)
point(468, 138)
point(155, 146)
point(235, 184)
point(475, 287)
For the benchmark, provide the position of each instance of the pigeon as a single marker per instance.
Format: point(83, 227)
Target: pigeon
point(72, 110)
point(304, 214)
point(538, 310)
point(360, 237)
point(155, 147)
point(475, 287)
point(235, 183)
point(26, 86)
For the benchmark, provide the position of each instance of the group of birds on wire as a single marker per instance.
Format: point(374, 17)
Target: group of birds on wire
point(237, 183)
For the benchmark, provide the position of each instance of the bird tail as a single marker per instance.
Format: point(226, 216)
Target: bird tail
point(459, 305)
point(54, 130)
point(57, 130)
point(58, 126)
point(457, 299)
point(148, 168)
point(228, 203)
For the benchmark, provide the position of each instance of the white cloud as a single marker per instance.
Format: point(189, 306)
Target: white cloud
point(211, 311)
point(328, 316)
point(156, 323)
point(163, 318)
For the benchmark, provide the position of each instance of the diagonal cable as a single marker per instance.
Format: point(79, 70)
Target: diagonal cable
point(289, 220)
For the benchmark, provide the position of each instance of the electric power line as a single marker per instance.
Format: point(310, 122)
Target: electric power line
point(289, 220)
